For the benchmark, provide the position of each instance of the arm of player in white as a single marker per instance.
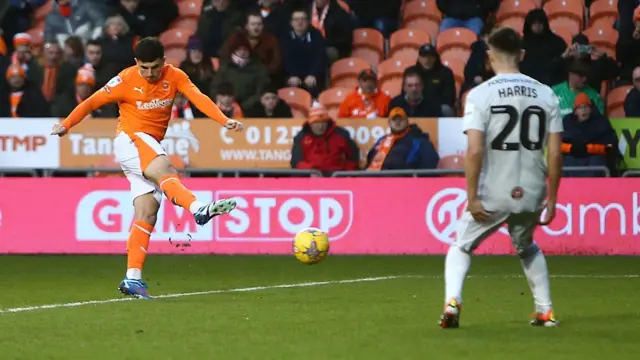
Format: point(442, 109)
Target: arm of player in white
point(475, 122)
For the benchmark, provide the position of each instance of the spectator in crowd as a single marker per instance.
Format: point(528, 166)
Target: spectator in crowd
point(271, 106)
point(304, 57)
point(244, 71)
point(73, 51)
point(628, 48)
point(23, 55)
point(632, 101)
point(601, 67)
point(73, 17)
point(217, 22)
point(147, 17)
point(576, 83)
point(57, 72)
point(104, 70)
point(412, 99)
point(263, 44)
point(25, 96)
point(478, 68)
point(588, 138)
point(3, 45)
point(439, 84)
point(328, 17)
point(406, 147)
point(626, 24)
point(367, 101)
point(322, 145)
point(17, 17)
point(226, 101)
point(469, 14)
point(276, 15)
point(199, 69)
point(543, 58)
point(117, 43)
point(383, 16)
point(182, 109)
point(85, 83)
point(4, 86)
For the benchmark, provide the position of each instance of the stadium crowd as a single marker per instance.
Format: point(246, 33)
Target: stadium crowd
point(321, 60)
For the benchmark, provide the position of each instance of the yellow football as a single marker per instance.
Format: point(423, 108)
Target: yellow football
point(311, 245)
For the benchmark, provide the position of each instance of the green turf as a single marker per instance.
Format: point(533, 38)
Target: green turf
point(391, 319)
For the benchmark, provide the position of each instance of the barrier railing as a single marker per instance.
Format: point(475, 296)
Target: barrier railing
point(398, 173)
point(587, 169)
point(631, 173)
point(191, 172)
point(18, 172)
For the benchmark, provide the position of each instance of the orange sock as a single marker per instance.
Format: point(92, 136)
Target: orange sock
point(176, 192)
point(137, 246)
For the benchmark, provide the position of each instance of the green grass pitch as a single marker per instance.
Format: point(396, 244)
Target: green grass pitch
point(382, 319)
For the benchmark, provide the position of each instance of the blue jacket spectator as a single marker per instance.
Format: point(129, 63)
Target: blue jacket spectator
point(406, 147)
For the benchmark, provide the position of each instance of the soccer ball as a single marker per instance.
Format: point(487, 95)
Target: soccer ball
point(311, 245)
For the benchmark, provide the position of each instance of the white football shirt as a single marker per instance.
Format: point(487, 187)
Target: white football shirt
point(516, 113)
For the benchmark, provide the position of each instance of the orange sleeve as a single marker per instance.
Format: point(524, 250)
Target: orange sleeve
point(566, 148)
point(197, 98)
point(596, 149)
point(345, 108)
point(106, 95)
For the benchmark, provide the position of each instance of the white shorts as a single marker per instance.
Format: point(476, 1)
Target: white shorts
point(521, 226)
point(134, 153)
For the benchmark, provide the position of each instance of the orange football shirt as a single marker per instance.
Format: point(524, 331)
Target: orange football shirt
point(145, 107)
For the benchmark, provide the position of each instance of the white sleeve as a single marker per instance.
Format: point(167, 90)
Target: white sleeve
point(475, 114)
point(555, 120)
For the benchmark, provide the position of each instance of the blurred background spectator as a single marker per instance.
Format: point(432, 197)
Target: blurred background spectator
point(437, 79)
point(117, 42)
point(576, 83)
point(328, 17)
point(74, 17)
point(199, 69)
point(470, 14)
point(544, 50)
point(25, 97)
point(367, 101)
point(226, 100)
point(217, 22)
point(270, 106)
point(146, 17)
point(412, 99)
point(632, 101)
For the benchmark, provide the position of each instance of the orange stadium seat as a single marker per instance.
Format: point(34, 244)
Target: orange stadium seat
point(456, 42)
point(189, 9)
point(604, 38)
point(368, 44)
point(178, 54)
point(175, 38)
point(299, 100)
point(603, 13)
point(514, 22)
point(565, 14)
point(457, 67)
point(514, 8)
point(188, 24)
point(392, 87)
point(565, 33)
point(451, 162)
point(43, 11)
point(344, 72)
point(332, 99)
point(423, 15)
point(394, 68)
point(615, 101)
point(173, 61)
point(406, 42)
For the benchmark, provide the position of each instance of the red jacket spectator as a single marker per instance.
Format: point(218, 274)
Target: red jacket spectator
point(324, 146)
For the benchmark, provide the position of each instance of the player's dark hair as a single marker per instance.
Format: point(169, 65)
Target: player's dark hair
point(149, 49)
point(505, 40)
point(94, 42)
point(226, 89)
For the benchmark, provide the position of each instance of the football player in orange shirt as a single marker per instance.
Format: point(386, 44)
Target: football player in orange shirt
point(145, 94)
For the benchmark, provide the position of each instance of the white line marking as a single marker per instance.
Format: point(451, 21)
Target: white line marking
point(305, 284)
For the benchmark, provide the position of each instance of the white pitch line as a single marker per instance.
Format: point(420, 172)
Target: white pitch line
point(305, 284)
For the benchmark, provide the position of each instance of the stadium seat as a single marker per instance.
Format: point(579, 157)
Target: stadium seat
point(43, 11)
point(394, 68)
point(173, 61)
point(189, 9)
point(344, 72)
point(514, 22)
point(565, 34)
point(604, 38)
point(603, 13)
point(615, 101)
point(451, 162)
point(299, 100)
point(368, 44)
point(456, 42)
point(332, 99)
point(175, 38)
point(392, 87)
point(422, 15)
point(189, 24)
point(514, 8)
point(177, 54)
point(457, 67)
point(565, 14)
point(406, 42)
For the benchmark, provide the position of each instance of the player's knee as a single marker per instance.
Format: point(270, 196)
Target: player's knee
point(158, 168)
point(528, 251)
point(146, 208)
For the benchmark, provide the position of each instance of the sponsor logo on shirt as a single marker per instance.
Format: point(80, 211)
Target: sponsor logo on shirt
point(154, 104)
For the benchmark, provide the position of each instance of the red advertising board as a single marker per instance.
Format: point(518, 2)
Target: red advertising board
point(361, 215)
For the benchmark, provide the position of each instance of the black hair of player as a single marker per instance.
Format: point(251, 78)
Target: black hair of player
point(148, 50)
point(226, 89)
point(505, 40)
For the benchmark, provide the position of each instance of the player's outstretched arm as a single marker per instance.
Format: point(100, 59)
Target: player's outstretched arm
point(95, 101)
point(206, 105)
point(473, 162)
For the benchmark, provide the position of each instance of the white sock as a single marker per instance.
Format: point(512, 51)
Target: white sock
point(456, 267)
point(195, 206)
point(535, 269)
point(134, 274)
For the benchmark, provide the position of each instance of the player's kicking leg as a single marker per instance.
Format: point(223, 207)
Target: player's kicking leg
point(162, 172)
point(534, 264)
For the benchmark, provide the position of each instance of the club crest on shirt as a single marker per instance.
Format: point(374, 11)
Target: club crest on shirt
point(165, 85)
point(115, 81)
point(517, 193)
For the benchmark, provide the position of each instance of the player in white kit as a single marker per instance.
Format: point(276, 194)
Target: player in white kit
point(509, 120)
